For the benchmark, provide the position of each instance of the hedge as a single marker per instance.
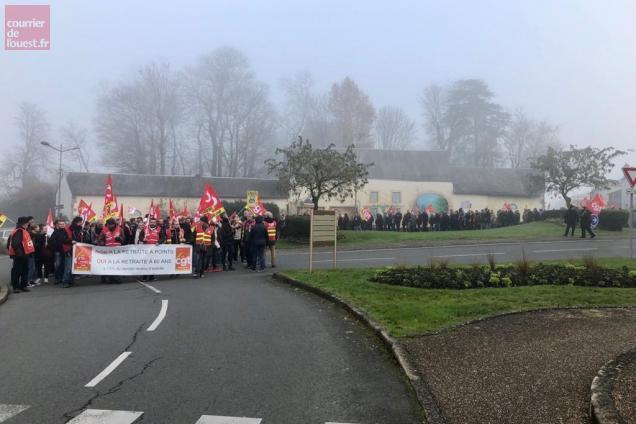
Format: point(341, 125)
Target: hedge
point(480, 276)
point(613, 219)
point(296, 228)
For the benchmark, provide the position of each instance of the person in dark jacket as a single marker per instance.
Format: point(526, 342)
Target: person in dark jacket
point(20, 248)
point(59, 243)
point(571, 218)
point(258, 238)
point(75, 233)
point(39, 242)
point(226, 240)
point(586, 223)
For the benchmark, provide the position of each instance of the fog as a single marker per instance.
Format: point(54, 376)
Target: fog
point(568, 62)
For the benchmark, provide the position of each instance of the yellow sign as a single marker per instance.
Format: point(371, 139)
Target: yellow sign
point(252, 199)
point(3, 219)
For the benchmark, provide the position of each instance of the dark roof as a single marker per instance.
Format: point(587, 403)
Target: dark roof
point(433, 165)
point(408, 165)
point(494, 181)
point(171, 186)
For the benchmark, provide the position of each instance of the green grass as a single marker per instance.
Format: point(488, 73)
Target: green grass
point(532, 231)
point(409, 311)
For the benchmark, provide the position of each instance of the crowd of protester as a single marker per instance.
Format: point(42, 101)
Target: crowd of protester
point(439, 221)
point(39, 254)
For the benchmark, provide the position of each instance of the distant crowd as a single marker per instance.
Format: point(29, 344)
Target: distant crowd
point(444, 221)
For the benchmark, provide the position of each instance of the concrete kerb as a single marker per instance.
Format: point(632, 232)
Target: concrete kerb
point(4, 293)
point(602, 408)
point(424, 394)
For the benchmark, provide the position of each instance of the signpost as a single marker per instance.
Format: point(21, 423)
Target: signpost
point(630, 175)
point(323, 231)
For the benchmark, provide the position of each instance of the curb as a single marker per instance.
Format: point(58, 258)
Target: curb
point(4, 293)
point(602, 408)
point(424, 394)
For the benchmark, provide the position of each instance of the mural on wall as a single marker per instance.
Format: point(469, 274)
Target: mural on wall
point(432, 203)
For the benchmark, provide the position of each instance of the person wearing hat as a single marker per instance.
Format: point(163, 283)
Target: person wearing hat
point(20, 248)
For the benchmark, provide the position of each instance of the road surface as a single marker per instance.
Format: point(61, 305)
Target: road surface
point(232, 348)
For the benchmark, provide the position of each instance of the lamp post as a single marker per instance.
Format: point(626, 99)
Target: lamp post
point(61, 150)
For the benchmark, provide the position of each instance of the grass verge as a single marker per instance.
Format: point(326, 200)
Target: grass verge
point(407, 311)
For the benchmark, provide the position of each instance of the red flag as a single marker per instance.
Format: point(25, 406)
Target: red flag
point(366, 214)
point(210, 203)
point(185, 212)
point(86, 211)
point(110, 201)
point(49, 224)
point(121, 215)
point(172, 211)
point(151, 210)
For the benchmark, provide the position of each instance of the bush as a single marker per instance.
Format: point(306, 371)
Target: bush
point(613, 219)
point(479, 276)
point(297, 228)
point(554, 214)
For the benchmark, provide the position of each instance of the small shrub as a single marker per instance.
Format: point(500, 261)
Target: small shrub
point(613, 219)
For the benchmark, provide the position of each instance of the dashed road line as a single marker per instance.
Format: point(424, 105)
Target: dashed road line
point(463, 255)
point(581, 249)
point(106, 416)
point(215, 419)
point(7, 411)
point(160, 317)
point(148, 286)
point(102, 375)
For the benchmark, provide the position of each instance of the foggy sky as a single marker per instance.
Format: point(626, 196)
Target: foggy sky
point(571, 62)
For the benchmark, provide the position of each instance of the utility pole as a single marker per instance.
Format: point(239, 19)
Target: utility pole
point(61, 150)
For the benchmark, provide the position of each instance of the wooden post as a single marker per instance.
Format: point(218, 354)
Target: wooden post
point(311, 240)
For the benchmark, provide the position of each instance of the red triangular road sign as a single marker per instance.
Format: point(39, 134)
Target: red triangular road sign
point(630, 174)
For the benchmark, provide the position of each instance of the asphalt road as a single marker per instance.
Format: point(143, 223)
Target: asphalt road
point(231, 345)
point(568, 248)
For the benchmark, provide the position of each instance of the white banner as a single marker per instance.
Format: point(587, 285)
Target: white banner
point(134, 259)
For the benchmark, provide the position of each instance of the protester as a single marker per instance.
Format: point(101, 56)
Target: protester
point(237, 227)
point(202, 242)
point(571, 218)
point(20, 248)
point(586, 223)
point(152, 235)
point(258, 237)
point(60, 244)
point(272, 236)
point(111, 236)
point(226, 240)
point(39, 242)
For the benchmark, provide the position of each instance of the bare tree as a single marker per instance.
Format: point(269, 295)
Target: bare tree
point(227, 103)
point(433, 103)
point(300, 104)
point(394, 130)
point(525, 139)
point(72, 135)
point(352, 113)
point(28, 162)
point(137, 121)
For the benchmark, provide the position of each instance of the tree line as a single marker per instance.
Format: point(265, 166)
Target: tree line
point(215, 117)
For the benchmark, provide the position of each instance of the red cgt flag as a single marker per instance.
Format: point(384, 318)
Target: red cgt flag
point(172, 211)
point(110, 201)
point(49, 224)
point(210, 203)
point(86, 211)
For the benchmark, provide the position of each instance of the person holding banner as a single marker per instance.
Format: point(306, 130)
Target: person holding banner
point(151, 235)
point(111, 236)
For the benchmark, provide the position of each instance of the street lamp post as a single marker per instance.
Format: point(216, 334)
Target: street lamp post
point(61, 150)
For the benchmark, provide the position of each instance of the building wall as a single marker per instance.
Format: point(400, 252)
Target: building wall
point(410, 190)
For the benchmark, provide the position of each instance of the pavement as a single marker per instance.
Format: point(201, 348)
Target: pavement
point(232, 348)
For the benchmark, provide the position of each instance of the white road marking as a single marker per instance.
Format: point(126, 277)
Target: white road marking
point(8, 411)
point(214, 419)
point(102, 375)
point(105, 416)
point(337, 423)
point(467, 254)
point(149, 287)
point(356, 259)
point(582, 249)
point(160, 317)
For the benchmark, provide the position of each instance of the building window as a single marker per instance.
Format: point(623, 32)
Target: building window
point(373, 197)
point(396, 197)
